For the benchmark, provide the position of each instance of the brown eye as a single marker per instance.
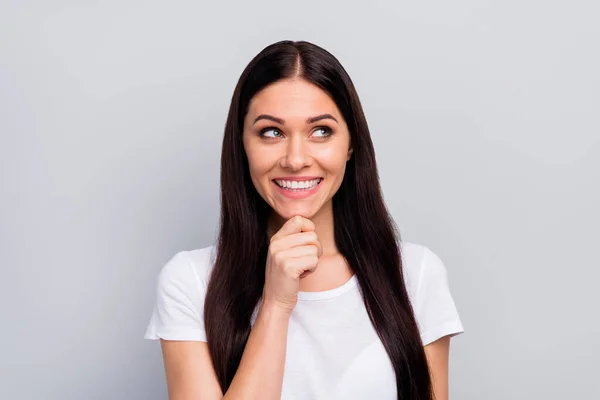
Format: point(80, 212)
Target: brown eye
point(323, 132)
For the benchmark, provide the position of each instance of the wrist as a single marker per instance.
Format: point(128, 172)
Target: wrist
point(274, 311)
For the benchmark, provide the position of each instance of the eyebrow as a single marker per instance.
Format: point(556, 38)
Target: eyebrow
point(310, 120)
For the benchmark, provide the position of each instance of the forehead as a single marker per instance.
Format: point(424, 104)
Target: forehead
point(291, 98)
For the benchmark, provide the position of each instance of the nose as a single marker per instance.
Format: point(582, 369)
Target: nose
point(297, 154)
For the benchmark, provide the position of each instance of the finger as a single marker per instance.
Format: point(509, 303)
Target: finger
point(300, 251)
point(297, 266)
point(293, 225)
point(305, 274)
point(299, 239)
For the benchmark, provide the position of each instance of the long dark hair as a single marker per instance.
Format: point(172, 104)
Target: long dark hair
point(365, 233)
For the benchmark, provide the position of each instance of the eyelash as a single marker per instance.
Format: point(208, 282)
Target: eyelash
point(328, 132)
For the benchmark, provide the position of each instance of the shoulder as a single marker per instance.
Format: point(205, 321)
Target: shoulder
point(419, 266)
point(428, 288)
point(188, 267)
point(202, 261)
point(413, 257)
point(180, 292)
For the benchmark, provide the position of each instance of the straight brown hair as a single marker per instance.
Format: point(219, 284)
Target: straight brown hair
point(365, 233)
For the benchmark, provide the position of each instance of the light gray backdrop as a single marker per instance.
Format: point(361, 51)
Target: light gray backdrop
point(485, 120)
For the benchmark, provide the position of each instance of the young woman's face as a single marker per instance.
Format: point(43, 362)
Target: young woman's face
point(297, 145)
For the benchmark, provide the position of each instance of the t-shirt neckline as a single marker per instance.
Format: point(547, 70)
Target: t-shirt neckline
point(327, 294)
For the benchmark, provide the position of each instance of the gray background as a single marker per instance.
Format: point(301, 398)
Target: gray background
point(484, 116)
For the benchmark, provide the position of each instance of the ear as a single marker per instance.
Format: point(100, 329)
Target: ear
point(349, 154)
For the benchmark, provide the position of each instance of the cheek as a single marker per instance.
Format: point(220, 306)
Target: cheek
point(258, 162)
point(333, 159)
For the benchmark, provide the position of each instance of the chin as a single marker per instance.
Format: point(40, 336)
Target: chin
point(301, 211)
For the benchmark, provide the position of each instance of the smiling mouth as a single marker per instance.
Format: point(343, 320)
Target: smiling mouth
point(298, 186)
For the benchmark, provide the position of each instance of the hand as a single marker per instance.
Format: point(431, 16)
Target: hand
point(294, 252)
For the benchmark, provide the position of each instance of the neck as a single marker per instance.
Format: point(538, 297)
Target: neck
point(323, 221)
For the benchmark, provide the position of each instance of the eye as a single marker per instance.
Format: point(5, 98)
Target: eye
point(323, 131)
point(270, 132)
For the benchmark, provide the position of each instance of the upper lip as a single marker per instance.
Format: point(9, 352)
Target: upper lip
point(296, 178)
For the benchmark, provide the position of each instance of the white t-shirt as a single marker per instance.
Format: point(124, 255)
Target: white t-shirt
point(333, 351)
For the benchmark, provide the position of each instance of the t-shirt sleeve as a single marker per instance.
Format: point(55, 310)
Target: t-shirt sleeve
point(435, 311)
point(179, 308)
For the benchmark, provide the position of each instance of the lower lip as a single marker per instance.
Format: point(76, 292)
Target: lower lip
point(298, 194)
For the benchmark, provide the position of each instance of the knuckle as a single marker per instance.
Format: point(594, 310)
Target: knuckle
point(285, 262)
point(311, 236)
point(278, 258)
point(288, 267)
point(272, 250)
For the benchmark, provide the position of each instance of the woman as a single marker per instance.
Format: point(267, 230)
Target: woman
point(308, 293)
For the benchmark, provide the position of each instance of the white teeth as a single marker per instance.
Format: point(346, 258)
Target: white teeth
point(298, 185)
